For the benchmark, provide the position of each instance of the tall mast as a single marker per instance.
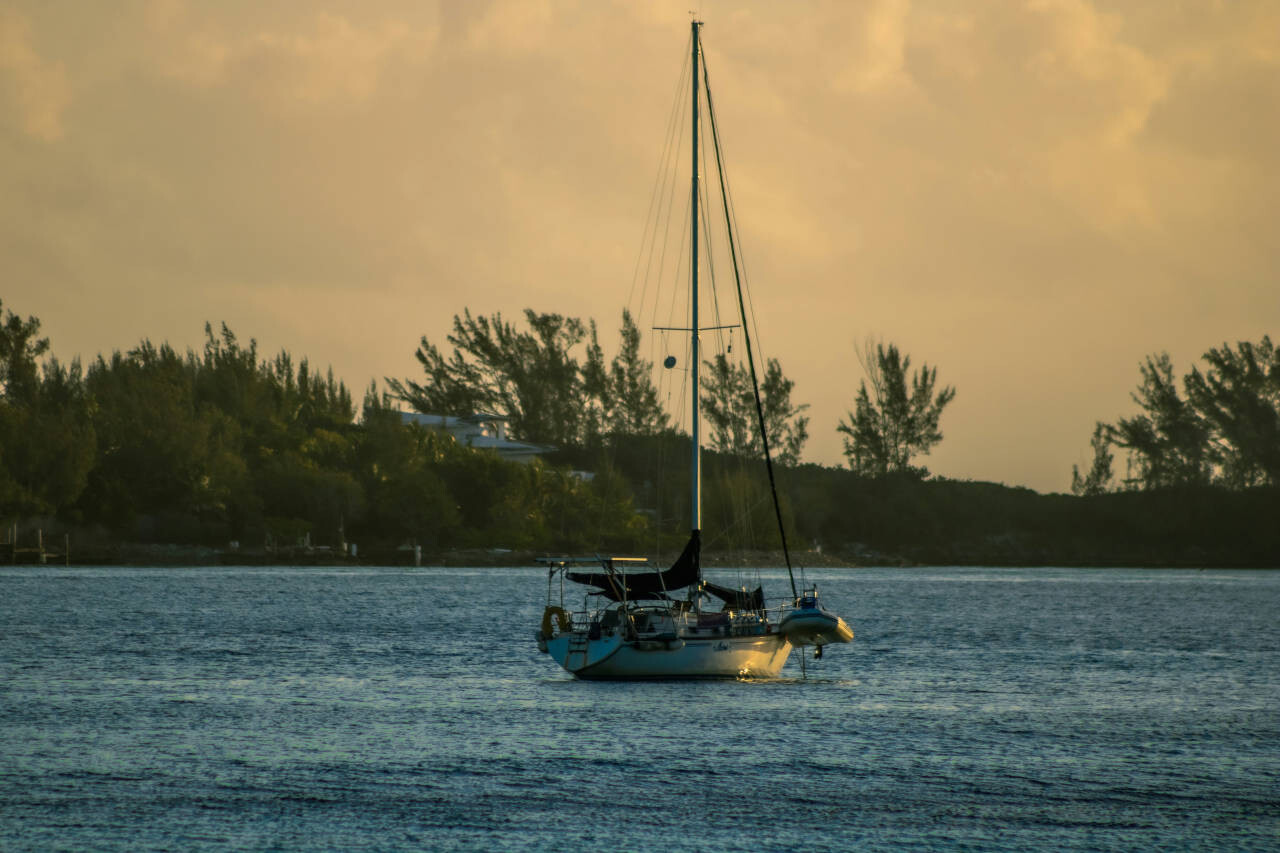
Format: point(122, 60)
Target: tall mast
point(695, 358)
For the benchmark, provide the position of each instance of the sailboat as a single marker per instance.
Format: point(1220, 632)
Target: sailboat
point(641, 622)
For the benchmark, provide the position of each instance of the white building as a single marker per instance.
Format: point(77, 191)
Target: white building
point(483, 431)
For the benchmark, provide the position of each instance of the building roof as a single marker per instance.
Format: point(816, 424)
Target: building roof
point(482, 430)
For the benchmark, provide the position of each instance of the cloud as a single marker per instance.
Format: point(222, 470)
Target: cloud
point(37, 88)
point(320, 58)
point(520, 27)
point(1031, 196)
point(1223, 110)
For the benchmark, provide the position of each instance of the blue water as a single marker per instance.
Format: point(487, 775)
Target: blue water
point(303, 708)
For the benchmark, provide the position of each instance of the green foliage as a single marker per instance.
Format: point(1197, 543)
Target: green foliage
point(612, 521)
point(216, 443)
point(729, 410)
point(728, 407)
point(203, 447)
point(1238, 398)
point(47, 440)
point(426, 488)
point(19, 351)
point(900, 519)
point(738, 509)
point(895, 421)
point(399, 468)
point(633, 407)
point(294, 487)
point(1169, 441)
point(276, 405)
point(1099, 477)
point(651, 474)
point(154, 443)
point(1222, 428)
point(596, 398)
point(533, 378)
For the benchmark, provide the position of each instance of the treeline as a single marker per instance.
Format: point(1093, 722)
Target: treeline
point(223, 445)
point(553, 384)
point(1221, 429)
point(838, 516)
point(903, 519)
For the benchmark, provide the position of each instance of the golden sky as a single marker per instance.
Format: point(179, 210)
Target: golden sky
point(1031, 196)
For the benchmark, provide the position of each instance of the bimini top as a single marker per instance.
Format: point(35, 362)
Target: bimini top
point(685, 571)
point(737, 599)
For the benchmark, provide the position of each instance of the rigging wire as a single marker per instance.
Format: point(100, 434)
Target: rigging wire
point(755, 383)
point(704, 205)
point(655, 252)
point(652, 262)
point(737, 511)
point(652, 256)
point(662, 184)
point(743, 278)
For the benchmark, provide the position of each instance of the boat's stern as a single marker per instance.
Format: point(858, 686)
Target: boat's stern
point(578, 650)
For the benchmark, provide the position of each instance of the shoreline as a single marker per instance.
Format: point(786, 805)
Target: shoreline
point(193, 556)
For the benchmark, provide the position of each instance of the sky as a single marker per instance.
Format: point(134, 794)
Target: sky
point(1029, 196)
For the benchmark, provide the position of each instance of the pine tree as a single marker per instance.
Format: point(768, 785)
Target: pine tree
point(896, 420)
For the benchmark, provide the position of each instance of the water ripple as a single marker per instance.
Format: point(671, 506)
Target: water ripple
point(299, 708)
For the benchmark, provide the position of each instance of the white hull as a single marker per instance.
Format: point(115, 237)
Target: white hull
point(630, 625)
point(713, 657)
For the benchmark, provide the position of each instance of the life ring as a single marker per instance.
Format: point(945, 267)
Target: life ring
point(562, 618)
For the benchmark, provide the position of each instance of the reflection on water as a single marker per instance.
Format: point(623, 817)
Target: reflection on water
point(409, 709)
